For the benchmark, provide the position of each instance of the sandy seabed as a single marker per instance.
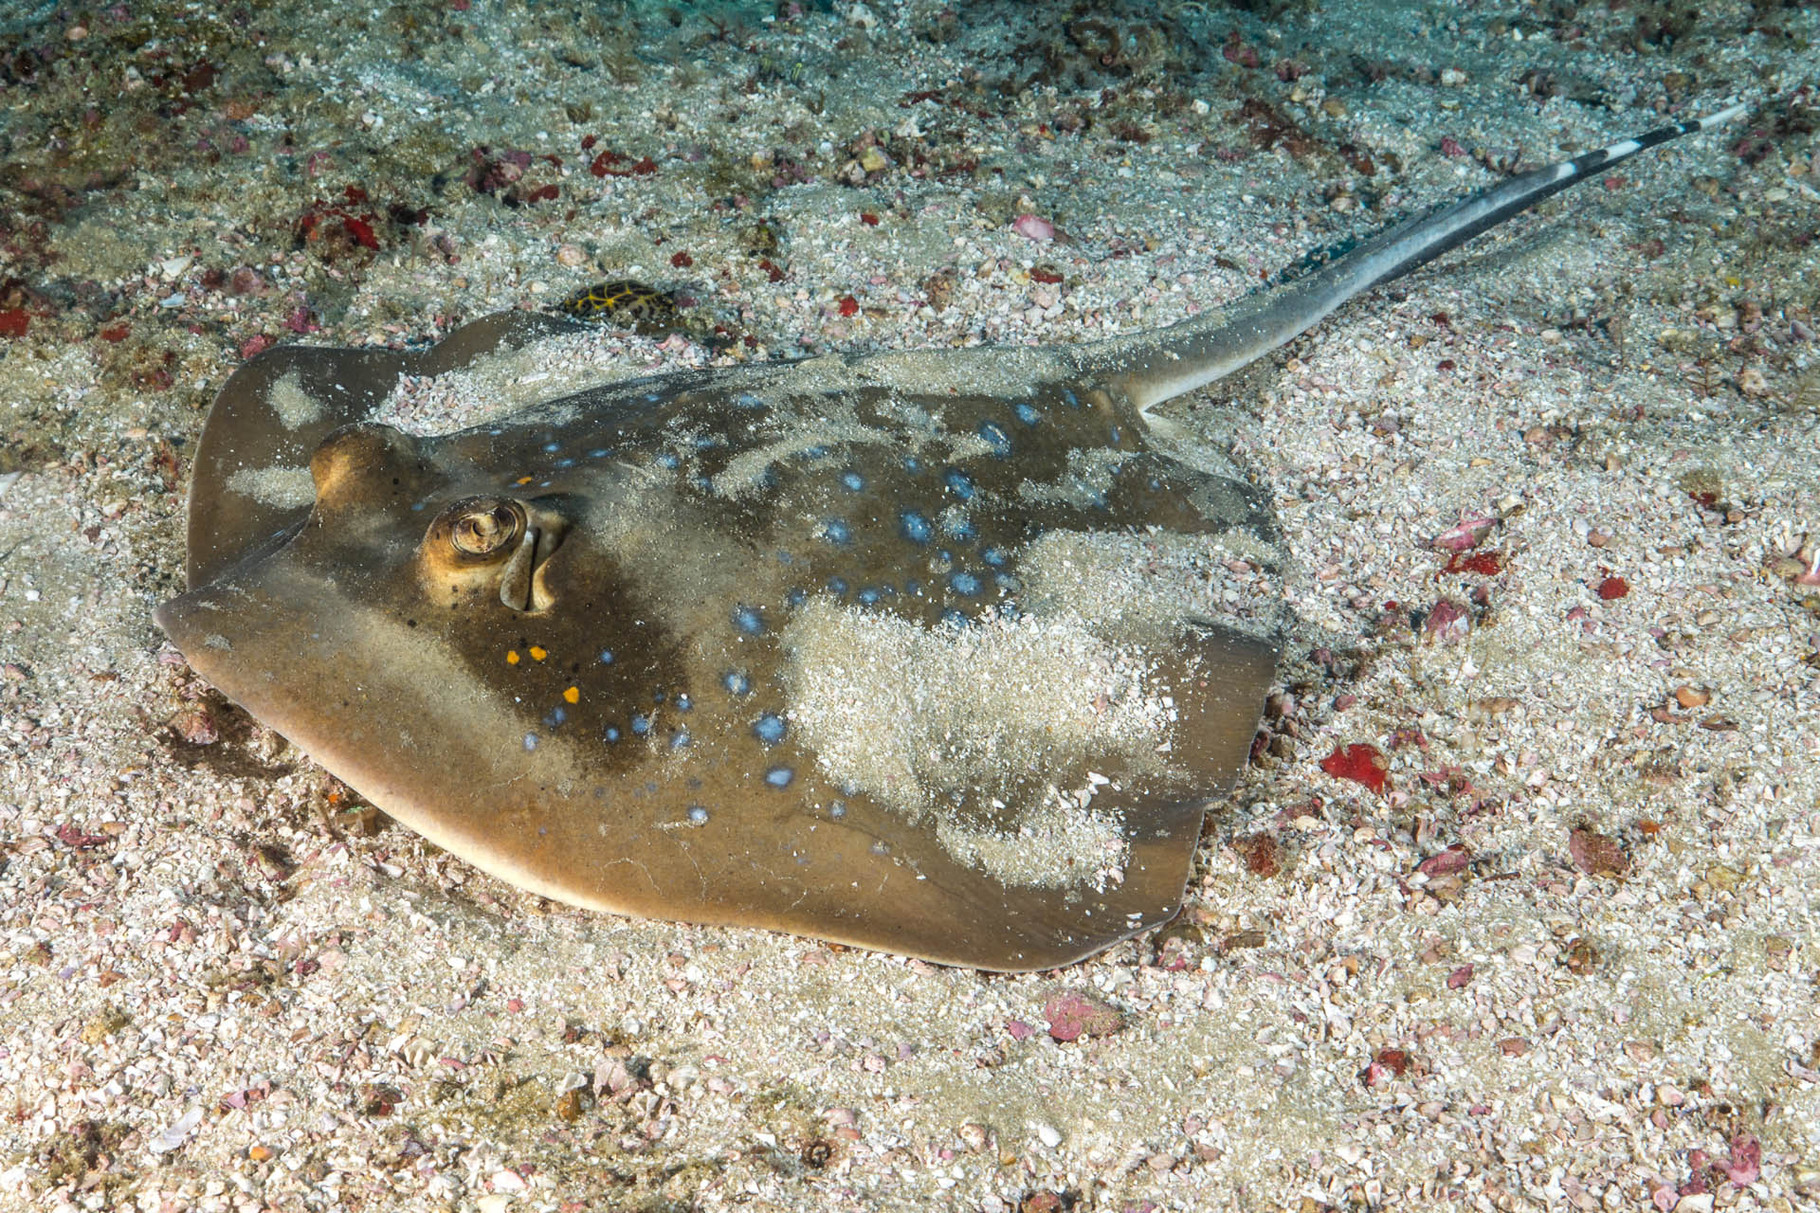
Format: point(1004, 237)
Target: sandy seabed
point(1564, 957)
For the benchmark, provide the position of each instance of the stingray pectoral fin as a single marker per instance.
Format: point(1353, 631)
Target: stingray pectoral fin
point(877, 881)
point(898, 889)
point(863, 881)
point(250, 481)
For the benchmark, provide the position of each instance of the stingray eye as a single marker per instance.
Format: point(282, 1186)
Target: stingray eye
point(485, 527)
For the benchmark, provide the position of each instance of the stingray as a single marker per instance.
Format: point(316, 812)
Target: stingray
point(853, 647)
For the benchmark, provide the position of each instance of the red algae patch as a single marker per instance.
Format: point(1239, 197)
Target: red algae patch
point(1361, 763)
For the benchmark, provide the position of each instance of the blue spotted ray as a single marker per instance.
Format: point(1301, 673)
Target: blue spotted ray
point(840, 647)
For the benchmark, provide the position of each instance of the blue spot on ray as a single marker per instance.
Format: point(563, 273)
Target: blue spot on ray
point(836, 531)
point(779, 777)
point(960, 484)
point(996, 438)
point(698, 815)
point(770, 728)
point(748, 620)
point(606, 657)
point(965, 583)
point(853, 480)
point(641, 724)
point(994, 556)
point(837, 585)
point(611, 733)
point(736, 682)
point(1027, 414)
point(530, 741)
point(915, 527)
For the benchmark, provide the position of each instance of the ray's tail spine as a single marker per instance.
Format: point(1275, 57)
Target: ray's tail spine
point(1157, 366)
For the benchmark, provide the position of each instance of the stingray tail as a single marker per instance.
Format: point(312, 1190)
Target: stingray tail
point(1150, 368)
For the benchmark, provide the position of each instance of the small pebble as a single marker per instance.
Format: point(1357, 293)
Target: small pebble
point(1691, 697)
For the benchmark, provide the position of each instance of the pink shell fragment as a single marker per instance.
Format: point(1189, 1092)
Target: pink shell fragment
point(1447, 621)
point(1033, 227)
point(1465, 535)
point(1447, 863)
